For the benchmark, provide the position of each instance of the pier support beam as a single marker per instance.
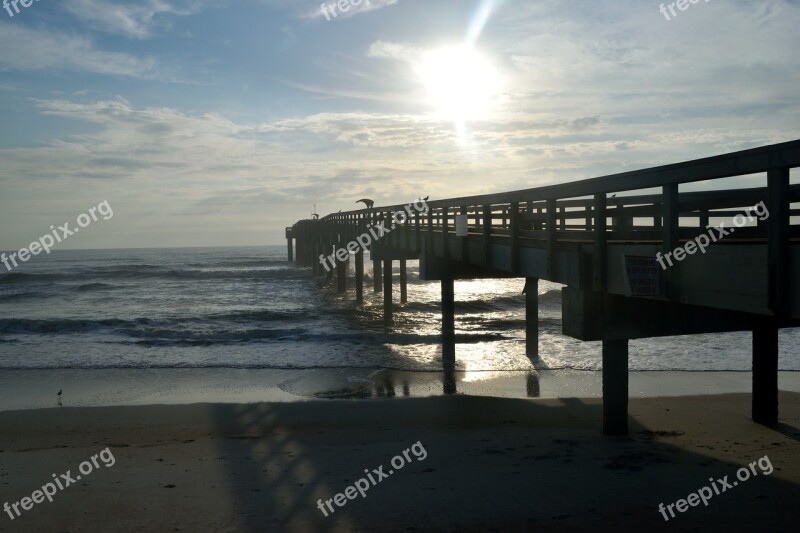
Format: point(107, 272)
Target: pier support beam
point(290, 247)
point(329, 273)
point(315, 264)
point(360, 277)
point(341, 275)
point(448, 324)
point(532, 318)
point(615, 387)
point(403, 282)
point(765, 374)
point(387, 291)
point(377, 276)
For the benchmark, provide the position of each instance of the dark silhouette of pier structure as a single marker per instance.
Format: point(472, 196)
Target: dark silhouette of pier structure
point(600, 238)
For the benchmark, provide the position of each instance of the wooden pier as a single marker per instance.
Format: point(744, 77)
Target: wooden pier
point(605, 239)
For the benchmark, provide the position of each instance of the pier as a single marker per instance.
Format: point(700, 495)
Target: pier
point(625, 247)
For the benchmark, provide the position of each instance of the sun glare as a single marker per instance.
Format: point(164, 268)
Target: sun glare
point(461, 83)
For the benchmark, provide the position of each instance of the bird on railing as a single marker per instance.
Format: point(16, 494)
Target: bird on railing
point(367, 202)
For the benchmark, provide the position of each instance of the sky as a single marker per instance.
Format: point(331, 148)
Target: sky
point(219, 123)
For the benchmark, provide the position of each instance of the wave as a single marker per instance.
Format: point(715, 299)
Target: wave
point(265, 315)
point(198, 331)
point(11, 326)
point(249, 262)
point(21, 296)
point(92, 287)
point(282, 273)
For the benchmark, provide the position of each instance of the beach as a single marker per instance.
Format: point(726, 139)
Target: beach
point(491, 464)
point(230, 411)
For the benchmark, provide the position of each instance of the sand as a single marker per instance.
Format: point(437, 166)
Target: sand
point(37, 388)
point(493, 464)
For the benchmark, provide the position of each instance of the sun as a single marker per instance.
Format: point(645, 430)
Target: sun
point(461, 83)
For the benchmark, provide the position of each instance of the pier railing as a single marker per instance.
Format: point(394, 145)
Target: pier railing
point(601, 211)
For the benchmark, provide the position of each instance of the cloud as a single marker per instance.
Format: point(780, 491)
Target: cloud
point(134, 19)
point(398, 51)
point(37, 49)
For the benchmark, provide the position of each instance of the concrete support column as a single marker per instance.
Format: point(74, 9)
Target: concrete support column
point(448, 324)
point(329, 273)
point(765, 374)
point(360, 277)
point(377, 276)
point(341, 275)
point(290, 246)
point(315, 264)
point(532, 317)
point(387, 291)
point(403, 282)
point(449, 380)
point(615, 387)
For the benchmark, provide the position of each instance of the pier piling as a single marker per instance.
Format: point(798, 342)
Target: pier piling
point(615, 387)
point(448, 323)
point(341, 275)
point(765, 374)
point(532, 318)
point(360, 277)
point(403, 282)
point(377, 276)
point(387, 291)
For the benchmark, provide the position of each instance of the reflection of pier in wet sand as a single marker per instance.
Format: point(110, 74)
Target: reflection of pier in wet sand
point(605, 239)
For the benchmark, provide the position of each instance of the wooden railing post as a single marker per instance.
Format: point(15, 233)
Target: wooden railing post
point(445, 229)
point(671, 215)
point(552, 236)
point(515, 255)
point(465, 240)
point(429, 245)
point(487, 235)
point(779, 266)
point(600, 245)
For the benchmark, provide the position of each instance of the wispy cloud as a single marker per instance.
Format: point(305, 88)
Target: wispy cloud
point(55, 51)
point(134, 19)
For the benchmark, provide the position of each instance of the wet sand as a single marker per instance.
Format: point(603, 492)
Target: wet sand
point(493, 464)
point(35, 389)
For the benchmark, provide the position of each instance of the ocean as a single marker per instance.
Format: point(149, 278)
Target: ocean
point(248, 307)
